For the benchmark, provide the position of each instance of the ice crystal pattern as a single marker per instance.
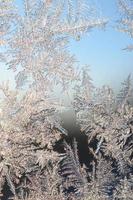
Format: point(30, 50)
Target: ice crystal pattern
point(40, 157)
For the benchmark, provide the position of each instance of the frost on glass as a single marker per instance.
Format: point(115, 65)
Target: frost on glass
point(126, 22)
point(39, 159)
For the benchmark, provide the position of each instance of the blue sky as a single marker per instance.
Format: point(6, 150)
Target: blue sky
point(101, 49)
